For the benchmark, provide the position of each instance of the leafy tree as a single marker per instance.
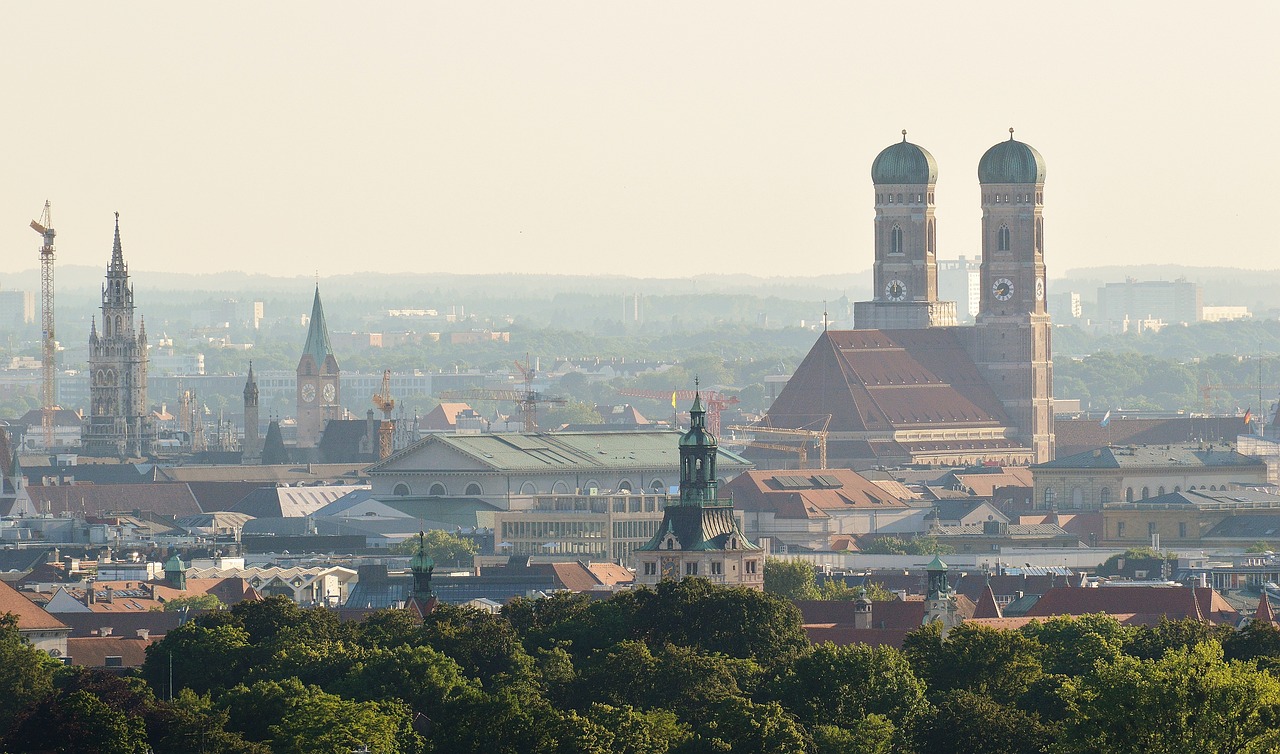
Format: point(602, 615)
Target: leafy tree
point(837, 590)
point(1152, 642)
point(872, 734)
point(442, 546)
point(1256, 640)
point(421, 676)
point(191, 723)
point(1189, 701)
point(536, 619)
point(620, 730)
point(736, 621)
point(632, 674)
point(485, 646)
point(790, 579)
point(193, 602)
point(913, 546)
point(26, 673)
point(998, 664)
point(92, 711)
point(744, 727)
point(972, 723)
point(1072, 645)
point(319, 723)
point(196, 657)
point(1259, 547)
point(831, 684)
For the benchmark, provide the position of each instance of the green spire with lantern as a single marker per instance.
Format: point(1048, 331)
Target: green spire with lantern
point(421, 565)
point(697, 457)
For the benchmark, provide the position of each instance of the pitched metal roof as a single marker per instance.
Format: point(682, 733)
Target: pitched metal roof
point(515, 451)
point(317, 345)
point(1153, 456)
point(699, 527)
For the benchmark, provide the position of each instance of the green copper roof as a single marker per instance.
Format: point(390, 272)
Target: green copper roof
point(318, 334)
point(1011, 162)
point(904, 162)
point(936, 564)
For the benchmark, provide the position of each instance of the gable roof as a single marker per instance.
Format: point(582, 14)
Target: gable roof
point(987, 607)
point(808, 494)
point(93, 651)
point(1200, 604)
point(443, 418)
point(1154, 456)
point(1082, 435)
point(518, 451)
point(698, 527)
point(30, 615)
point(291, 502)
point(80, 499)
point(878, 380)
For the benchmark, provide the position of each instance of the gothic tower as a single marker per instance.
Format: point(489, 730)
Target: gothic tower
point(1010, 341)
point(251, 448)
point(319, 391)
point(119, 422)
point(906, 269)
point(699, 534)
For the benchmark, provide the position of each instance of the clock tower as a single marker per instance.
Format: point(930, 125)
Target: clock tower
point(1011, 338)
point(319, 388)
point(905, 292)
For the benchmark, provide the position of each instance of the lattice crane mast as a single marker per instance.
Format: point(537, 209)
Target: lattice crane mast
point(806, 436)
point(386, 404)
point(48, 343)
point(715, 401)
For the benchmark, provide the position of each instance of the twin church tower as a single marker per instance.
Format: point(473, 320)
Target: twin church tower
point(909, 385)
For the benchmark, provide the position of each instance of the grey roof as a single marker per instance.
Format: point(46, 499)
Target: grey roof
point(904, 162)
point(1253, 527)
point(1152, 456)
point(1011, 162)
point(266, 502)
point(515, 451)
point(699, 527)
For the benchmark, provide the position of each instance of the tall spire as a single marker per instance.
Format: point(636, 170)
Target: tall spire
point(318, 333)
point(117, 252)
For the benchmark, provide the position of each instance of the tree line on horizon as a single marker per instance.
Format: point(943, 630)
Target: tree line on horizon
point(686, 668)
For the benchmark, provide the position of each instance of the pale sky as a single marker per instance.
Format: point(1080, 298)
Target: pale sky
point(640, 138)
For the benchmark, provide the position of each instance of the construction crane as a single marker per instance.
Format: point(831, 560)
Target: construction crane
point(817, 437)
point(1206, 392)
point(48, 344)
point(528, 400)
point(385, 403)
point(714, 401)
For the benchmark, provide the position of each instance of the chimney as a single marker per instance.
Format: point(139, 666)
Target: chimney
point(144, 633)
point(110, 596)
point(104, 631)
point(89, 596)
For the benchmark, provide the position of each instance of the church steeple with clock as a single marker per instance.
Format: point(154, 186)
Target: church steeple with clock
point(319, 386)
point(1011, 338)
point(906, 268)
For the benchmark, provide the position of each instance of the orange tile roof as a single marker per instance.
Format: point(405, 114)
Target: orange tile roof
point(31, 617)
point(93, 651)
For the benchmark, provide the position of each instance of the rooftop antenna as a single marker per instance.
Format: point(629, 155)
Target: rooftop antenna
point(824, 306)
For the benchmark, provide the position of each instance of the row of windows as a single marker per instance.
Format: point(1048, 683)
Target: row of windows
point(691, 568)
point(1017, 198)
point(1153, 529)
point(910, 198)
point(1104, 494)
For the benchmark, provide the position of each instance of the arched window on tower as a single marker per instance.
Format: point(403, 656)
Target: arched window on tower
point(895, 240)
point(1039, 234)
point(1002, 238)
point(932, 239)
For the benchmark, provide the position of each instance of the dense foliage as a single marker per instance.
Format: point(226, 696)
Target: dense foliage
point(687, 668)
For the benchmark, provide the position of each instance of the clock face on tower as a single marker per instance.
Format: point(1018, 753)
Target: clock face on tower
point(1003, 289)
point(329, 393)
point(1039, 289)
point(895, 290)
point(308, 392)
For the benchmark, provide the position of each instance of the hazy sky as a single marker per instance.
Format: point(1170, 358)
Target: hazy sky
point(639, 138)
